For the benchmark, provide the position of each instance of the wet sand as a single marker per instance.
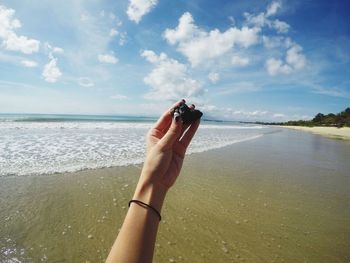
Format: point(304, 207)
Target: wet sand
point(330, 132)
point(283, 197)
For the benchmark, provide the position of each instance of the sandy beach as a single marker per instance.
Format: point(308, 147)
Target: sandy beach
point(330, 132)
point(283, 197)
point(199, 91)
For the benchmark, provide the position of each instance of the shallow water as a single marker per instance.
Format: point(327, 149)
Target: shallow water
point(47, 147)
point(283, 197)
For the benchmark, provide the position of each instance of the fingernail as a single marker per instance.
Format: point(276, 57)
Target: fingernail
point(177, 116)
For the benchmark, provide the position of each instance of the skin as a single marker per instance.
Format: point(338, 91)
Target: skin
point(167, 142)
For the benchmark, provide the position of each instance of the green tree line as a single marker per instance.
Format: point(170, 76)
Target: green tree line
point(341, 119)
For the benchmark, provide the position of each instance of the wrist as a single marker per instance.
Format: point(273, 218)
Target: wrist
point(151, 194)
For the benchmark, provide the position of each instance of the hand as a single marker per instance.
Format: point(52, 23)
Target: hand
point(167, 142)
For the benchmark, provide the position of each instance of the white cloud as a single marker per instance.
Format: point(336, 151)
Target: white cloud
point(58, 50)
point(122, 38)
point(85, 82)
point(138, 8)
point(263, 19)
point(239, 61)
point(271, 42)
point(280, 26)
point(169, 79)
point(252, 113)
point(11, 41)
point(118, 97)
point(51, 72)
point(53, 50)
point(295, 60)
point(21, 43)
point(259, 20)
point(278, 115)
point(7, 22)
point(107, 58)
point(333, 92)
point(232, 20)
point(117, 32)
point(199, 45)
point(29, 63)
point(152, 57)
point(273, 8)
point(276, 66)
point(185, 30)
point(227, 113)
point(214, 77)
point(113, 32)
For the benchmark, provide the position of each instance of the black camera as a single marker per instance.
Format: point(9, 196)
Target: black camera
point(188, 115)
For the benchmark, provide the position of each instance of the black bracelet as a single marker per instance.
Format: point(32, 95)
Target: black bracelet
point(140, 203)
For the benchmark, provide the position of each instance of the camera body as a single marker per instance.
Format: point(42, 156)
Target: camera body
point(188, 115)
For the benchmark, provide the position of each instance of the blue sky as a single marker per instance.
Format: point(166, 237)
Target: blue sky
point(236, 60)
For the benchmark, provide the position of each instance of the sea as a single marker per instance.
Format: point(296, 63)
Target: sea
point(43, 144)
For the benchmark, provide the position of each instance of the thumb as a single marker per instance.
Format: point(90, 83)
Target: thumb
point(174, 131)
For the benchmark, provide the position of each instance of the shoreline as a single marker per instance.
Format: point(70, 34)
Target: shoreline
point(224, 205)
point(329, 132)
point(50, 147)
point(138, 163)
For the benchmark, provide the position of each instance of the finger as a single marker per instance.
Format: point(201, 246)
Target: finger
point(164, 121)
point(173, 133)
point(187, 137)
point(185, 126)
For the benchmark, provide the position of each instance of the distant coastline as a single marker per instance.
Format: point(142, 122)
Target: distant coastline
point(339, 120)
point(336, 126)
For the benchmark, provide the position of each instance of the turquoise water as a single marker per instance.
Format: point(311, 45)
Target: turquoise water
point(71, 118)
point(36, 117)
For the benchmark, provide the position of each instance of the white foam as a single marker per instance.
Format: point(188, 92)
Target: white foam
point(52, 147)
point(11, 252)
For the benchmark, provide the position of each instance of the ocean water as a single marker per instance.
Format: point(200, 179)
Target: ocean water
point(46, 144)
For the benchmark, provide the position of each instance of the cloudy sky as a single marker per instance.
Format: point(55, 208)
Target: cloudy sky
point(237, 60)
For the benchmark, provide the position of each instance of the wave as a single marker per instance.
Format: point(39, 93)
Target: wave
point(47, 148)
point(106, 125)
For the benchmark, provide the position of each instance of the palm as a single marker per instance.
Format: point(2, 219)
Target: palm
point(167, 142)
point(171, 159)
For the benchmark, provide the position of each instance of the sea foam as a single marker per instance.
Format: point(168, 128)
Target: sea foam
point(32, 148)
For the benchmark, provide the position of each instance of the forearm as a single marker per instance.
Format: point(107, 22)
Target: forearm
point(136, 239)
point(167, 142)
